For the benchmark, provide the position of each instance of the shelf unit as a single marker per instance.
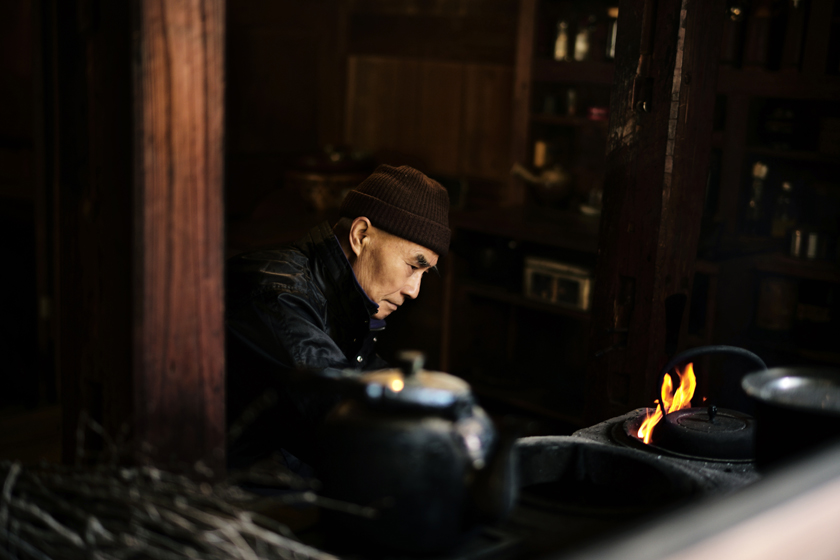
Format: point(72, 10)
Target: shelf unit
point(502, 295)
point(526, 353)
point(800, 82)
point(725, 285)
point(542, 109)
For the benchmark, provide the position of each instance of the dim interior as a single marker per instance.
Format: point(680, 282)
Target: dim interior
point(570, 280)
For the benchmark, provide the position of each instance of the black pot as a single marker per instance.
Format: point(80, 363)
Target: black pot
point(413, 445)
point(797, 409)
point(706, 431)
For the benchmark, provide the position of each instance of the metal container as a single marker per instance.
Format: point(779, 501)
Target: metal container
point(707, 431)
point(811, 245)
point(558, 283)
point(413, 445)
point(797, 409)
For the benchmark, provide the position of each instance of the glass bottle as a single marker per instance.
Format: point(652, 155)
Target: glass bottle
point(583, 37)
point(612, 31)
point(784, 213)
point(752, 218)
point(561, 43)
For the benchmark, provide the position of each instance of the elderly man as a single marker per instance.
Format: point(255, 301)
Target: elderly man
point(322, 302)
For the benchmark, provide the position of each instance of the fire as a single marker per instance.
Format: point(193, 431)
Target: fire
point(673, 400)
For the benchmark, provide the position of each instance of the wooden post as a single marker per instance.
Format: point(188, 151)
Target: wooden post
point(657, 165)
point(522, 98)
point(178, 157)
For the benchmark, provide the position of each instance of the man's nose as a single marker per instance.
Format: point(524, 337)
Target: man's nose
point(412, 287)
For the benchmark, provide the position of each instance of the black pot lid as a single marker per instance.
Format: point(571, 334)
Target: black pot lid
point(414, 387)
point(814, 390)
point(707, 432)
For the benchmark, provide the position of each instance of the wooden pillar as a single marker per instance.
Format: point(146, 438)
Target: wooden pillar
point(520, 129)
point(178, 160)
point(657, 165)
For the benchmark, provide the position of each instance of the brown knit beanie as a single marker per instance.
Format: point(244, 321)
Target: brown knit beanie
point(405, 203)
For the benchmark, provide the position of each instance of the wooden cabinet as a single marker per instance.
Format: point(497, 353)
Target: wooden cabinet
point(523, 351)
point(778, 86)
point(518, 350)
point(560, 103)
point(779, 107)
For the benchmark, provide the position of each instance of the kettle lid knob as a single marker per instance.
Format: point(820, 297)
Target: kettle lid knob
point(411, 361)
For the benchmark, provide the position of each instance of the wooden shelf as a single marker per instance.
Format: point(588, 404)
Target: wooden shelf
point(568, 120)
point(785, 265)
point(549, 70)
point(797, 155)
point(555, 228)
point(500, 294)
point(787, 84)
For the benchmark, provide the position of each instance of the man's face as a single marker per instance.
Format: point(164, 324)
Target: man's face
point(390, 269)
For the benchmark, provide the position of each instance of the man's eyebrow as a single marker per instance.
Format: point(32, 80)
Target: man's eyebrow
point(423, 263)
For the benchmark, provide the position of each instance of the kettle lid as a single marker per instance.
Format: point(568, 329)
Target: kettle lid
point(412, 386)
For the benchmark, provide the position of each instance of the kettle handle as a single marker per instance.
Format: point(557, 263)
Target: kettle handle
point(702, 351)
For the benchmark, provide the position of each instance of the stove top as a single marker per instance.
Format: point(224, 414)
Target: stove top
point(577, 490)
point(599, 481)
point(715, 476)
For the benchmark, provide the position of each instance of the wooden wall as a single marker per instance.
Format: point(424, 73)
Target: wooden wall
point(433, 82)
point(284, 91)
point(446, 117)
point(424, 83)
point(24, 377)
point(91, 184)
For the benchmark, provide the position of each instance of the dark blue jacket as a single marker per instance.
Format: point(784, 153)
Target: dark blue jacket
point(294, 307)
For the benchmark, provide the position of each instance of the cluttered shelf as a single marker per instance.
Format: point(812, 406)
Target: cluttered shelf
point(569, 120)
point(795, 155)
point(590, 72)
point(498, 293)
point(779, 263)
point(557, 228)
point(790, 85)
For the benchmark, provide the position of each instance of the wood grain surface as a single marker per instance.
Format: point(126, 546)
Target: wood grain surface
point(657, 165)
point(179, 337)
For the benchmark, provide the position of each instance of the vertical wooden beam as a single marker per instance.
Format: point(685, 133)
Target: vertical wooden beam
point(522, 97)
point(178, 329)
point(657, 166)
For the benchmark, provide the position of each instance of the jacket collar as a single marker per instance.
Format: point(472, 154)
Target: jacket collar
point(339, 281)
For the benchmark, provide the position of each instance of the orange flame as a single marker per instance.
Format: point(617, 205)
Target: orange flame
point(673, 400)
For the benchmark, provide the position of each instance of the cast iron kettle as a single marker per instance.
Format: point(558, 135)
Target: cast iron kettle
point(710, 432)
point(415, 446)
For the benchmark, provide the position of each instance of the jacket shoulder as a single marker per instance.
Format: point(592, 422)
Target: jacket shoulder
point(283, 270)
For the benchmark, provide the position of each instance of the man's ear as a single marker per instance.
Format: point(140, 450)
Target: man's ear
point(360, 231)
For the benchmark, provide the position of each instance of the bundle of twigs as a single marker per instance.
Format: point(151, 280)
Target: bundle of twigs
point(112, 512)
